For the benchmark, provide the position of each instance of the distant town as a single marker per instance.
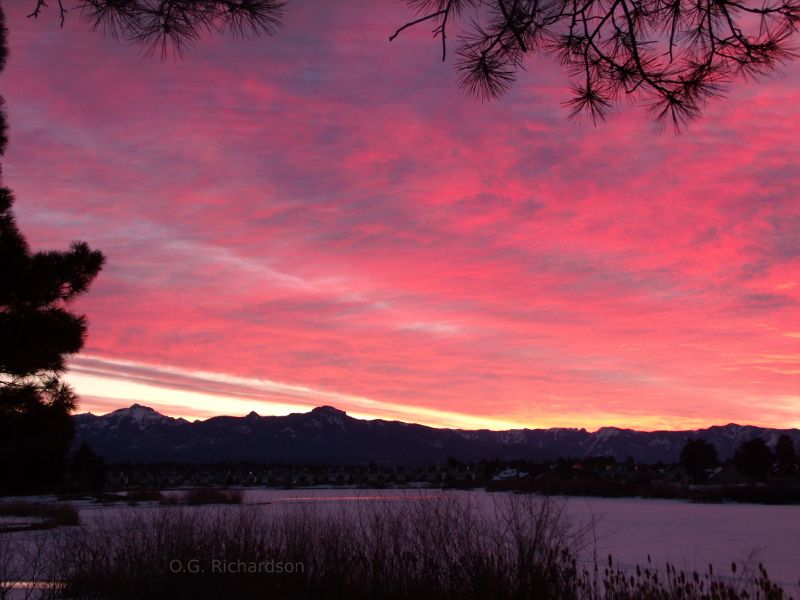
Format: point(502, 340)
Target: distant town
point(596, 476)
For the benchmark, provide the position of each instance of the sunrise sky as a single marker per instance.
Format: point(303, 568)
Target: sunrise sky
point(323, 217)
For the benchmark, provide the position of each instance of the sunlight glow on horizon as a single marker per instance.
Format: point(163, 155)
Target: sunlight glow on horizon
point(190, 404)
point(107, 385)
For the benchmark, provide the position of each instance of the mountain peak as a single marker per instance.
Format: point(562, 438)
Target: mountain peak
point(139, 414)
point(328, 410)
point(608, 432)
point(135, 409)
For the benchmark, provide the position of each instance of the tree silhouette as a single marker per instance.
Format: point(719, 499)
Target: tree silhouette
point(87, 468)
point(786, 456)
point(754, 459)
point(37, 333)
point(669, 55)
point(161, 25)
point(697, 457)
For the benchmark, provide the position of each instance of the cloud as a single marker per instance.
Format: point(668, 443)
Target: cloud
point(326, 209)
point(196, 394)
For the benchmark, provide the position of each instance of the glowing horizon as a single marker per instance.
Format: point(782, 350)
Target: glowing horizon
point(322, 217)
point(191, 395)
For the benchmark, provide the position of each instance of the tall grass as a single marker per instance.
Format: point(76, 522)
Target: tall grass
point(441, 546)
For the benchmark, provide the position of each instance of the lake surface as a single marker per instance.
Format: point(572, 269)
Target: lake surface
point(690, 536)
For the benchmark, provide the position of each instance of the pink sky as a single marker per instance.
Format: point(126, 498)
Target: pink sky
point(323, 217)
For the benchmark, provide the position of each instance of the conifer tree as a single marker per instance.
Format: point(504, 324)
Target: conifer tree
point(786, 460)
point(37, 334)
point(697, 457)
point(671, 56)
point(754, 459)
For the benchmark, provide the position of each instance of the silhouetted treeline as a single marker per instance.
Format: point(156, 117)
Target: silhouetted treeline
point(742, 478)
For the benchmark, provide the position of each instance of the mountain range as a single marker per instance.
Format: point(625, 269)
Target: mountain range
point(327, 435)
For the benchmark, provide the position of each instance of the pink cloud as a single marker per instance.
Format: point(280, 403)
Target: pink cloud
point(326, 209)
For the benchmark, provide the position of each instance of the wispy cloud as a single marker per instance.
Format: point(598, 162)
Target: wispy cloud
point(298, 216)
point(188, 394)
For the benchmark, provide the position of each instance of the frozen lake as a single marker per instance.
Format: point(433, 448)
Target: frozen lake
point(690, 536)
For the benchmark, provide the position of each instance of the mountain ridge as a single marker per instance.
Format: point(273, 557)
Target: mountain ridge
point(327, 434)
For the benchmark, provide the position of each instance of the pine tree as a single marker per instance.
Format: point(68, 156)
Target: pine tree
point(786, 456)
point(87, 469)
point(754, 459)
point(671, 56)
point(697, 457)
point(37, 334)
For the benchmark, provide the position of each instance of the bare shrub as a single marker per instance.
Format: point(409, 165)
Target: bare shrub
point(26, 566)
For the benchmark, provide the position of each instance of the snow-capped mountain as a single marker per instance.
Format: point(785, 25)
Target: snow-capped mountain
point(329, 435)
point(135, 416)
